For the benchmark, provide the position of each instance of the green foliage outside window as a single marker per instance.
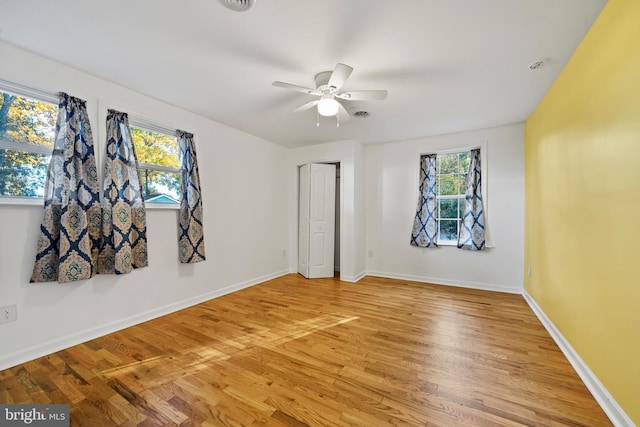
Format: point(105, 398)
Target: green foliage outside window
point(451, 175)
point(160, 185)
point(27, 133)
point(25, 126)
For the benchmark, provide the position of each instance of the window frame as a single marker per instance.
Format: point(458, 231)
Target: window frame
point(146, 125)
point(37, 96)
point(459, 197)
point(450, 149)
point(52, 98)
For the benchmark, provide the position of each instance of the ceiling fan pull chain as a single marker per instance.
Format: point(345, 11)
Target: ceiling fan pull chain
point(317, 118)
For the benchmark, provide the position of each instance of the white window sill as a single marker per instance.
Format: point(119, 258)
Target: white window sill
point(39, 201)
point(21, 200)
point(161, 206)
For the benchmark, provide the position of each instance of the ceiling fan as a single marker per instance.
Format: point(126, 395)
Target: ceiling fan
point(328, 85)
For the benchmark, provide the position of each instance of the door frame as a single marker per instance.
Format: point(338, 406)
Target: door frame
point(340, 188)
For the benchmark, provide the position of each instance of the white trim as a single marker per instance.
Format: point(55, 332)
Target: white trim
point(29, 92)
point(22, 200)
point(161, 206)
point(447, 282)
point(353, 279)
point(27, 148)
point(452, 243)
point(141, 123)
point(25, 355)
point(39, 201)
point(609, 405)
point(159, 168)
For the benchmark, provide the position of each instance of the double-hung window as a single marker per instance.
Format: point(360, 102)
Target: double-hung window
point(158, 159)
point(27, 132)
point(451, 182)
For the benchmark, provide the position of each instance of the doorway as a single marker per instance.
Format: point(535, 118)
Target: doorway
point(319, 207)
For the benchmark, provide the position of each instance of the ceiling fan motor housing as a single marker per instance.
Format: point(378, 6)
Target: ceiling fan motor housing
point(322, 82)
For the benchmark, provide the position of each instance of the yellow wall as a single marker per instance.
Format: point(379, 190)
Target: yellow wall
point(582, 159)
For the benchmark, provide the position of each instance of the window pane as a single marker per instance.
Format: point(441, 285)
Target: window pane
point(464, 162)
point(448, 208)
point(448, 230)
point(155, 148)
point(27, 121)
point(22, 173)
point(447, 163)
point(448, 185)
point(461, 207)
point(160, 187)
point(462, 182)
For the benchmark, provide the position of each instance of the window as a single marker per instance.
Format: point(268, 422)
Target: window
point(158, 159)
point(451, 184)
point(27, 132)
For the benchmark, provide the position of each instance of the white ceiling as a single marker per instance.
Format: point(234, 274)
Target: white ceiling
point(449, 65)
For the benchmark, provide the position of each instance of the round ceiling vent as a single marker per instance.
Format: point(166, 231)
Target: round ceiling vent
point(361, 114)
point(537, 65)
point(239, 5)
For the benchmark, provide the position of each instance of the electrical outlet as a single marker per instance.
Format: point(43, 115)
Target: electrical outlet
point(529, 271)
point(284, 253)
point(8, 313)
point(370, 253)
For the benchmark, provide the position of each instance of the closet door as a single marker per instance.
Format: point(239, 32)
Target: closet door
point(303, 221)
point(317, 220)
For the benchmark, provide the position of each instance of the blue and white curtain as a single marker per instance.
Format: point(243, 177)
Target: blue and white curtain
point(472, 226)
point(425, 229)
point(69, 239)
point(191, 234)
point(124, 219)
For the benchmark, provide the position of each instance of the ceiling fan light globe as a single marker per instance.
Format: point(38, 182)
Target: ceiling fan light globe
point(328, 107)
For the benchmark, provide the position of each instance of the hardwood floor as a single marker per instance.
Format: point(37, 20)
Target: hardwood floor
point(297, 352)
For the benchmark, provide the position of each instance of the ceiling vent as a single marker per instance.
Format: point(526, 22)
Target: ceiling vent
point(537, 65)
point(239, 5)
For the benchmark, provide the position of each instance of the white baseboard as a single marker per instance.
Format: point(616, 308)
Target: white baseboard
point(615, 413)
point(43, 349)
point(447, 282)
point(353, 279)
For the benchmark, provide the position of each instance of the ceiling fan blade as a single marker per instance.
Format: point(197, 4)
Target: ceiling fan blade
point(339, 75)
point(306, 106)
point(296, 88)
point(343, 114)
point(363, 95)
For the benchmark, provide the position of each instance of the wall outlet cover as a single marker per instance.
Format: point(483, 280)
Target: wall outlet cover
point(8, 313)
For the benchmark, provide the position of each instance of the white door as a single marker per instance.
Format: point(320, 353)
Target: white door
point(317, 220)
point(303, 223)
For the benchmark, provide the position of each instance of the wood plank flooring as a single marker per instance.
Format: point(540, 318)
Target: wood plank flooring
point(297, 352)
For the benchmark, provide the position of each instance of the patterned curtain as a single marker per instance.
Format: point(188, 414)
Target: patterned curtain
point(472, 230)
point(124, 219)
point(425, 230)
point(69, 238)
point(191, 239)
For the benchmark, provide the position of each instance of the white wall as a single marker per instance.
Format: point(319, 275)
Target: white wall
point(392, 174)
point(246, 206)
point(349, 154)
